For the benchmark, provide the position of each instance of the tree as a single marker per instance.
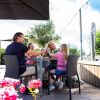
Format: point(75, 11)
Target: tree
point(43, 33)
point(74, 51)
point(98, 43)
point(25, 42)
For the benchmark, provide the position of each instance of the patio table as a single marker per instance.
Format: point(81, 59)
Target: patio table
point(41, 63)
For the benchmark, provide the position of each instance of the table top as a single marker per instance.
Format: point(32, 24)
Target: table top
point(43, 58)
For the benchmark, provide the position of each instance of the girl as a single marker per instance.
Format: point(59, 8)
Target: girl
point(61, 56)
point(61, 60)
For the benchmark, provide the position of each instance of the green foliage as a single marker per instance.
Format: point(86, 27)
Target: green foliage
point(2, 51)
point(25, 42)
point(74, 51)
point(98, 43)
point(43, 33)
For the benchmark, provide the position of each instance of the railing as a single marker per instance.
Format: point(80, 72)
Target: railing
point(90, 72)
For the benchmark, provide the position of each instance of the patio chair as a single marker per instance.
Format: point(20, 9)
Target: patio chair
point(12, 68)
point(71, 70)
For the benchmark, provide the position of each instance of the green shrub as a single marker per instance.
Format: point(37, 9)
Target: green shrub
point(2, 52)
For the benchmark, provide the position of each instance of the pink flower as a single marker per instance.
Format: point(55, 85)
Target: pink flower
point(7, 89)
point(8, 93)
point(9, 82)
point(13, 97)
point(22, 88)
point(35, 84)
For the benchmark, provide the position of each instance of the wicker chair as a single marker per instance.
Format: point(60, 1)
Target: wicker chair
point(12, 68)
point(71, 70)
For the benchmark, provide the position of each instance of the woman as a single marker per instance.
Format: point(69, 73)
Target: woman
point(30, 46)
point(30, 62)
point(51, 46)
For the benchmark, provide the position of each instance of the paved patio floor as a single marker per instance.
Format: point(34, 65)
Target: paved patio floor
point(88, 92)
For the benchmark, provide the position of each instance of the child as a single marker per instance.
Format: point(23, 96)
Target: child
point(61, 61)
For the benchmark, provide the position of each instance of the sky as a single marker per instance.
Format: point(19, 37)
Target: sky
point(95, 4)
point(65, 16)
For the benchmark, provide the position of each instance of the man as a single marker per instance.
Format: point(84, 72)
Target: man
point(19, 49)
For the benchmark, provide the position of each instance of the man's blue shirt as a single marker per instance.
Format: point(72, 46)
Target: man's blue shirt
point(19, 50)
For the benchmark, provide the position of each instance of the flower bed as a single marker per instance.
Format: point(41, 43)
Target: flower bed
point(9, 88)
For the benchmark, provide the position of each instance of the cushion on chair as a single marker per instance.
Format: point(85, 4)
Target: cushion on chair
point(29, 71)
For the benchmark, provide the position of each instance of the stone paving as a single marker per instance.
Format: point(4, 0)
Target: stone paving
point(88, 92)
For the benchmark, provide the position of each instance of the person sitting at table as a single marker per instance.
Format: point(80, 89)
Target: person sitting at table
point(19, 49)
point(30, 62)
point(61, 62)
point(50, 47)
